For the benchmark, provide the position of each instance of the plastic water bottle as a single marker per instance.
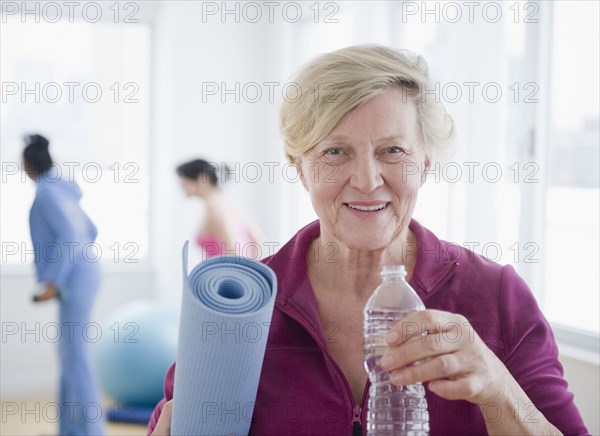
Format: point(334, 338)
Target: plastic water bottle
point(392, 410)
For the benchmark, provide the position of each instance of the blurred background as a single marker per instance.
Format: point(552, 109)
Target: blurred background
point(126, 91)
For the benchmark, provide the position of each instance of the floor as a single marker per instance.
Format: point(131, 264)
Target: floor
point(36, 417)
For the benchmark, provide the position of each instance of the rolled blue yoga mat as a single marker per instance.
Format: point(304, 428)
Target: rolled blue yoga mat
point(225, 317)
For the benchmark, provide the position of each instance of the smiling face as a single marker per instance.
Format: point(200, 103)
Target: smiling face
point(364, 177)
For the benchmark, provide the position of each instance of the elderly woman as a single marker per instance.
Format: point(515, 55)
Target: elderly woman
point(362, 145)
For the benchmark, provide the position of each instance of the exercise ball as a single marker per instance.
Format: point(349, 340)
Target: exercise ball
point(138, 344)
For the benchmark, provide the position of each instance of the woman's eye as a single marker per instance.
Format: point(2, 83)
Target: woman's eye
point(394, 150)
point(333, 151)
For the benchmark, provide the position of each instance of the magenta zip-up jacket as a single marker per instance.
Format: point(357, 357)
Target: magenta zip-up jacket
point(302, 391)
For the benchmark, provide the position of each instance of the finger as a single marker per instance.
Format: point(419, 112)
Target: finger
point(417, 349)
point(40, 298)
point(459, 389)
point(43, 297)
point(163, 426)
point(447, 366)
point(427, 321)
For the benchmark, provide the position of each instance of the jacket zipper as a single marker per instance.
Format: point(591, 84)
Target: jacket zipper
point(356, 421)
point(358, 409)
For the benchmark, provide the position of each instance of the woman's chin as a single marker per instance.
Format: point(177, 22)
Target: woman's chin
point(364, 237)
point(365, 242)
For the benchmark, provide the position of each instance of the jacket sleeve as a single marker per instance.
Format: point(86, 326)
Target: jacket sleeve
point(169, 381)
point(531, 355)
point(65, 227)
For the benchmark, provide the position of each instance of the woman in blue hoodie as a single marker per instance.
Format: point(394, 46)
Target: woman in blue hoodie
point(61, 234)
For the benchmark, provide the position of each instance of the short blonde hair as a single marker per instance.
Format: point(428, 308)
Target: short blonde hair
point(336, 83)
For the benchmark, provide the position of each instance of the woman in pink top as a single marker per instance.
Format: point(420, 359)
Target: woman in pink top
point(225, 229)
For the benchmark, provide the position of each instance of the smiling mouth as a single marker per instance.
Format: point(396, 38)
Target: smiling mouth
point(373, 208)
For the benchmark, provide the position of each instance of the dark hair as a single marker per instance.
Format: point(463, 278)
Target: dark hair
point(199, 167)
point(36, 153)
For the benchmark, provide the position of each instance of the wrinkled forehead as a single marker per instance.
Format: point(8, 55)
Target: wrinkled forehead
point(387, 115)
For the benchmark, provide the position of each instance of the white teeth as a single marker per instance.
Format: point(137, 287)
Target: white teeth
point(368, 208)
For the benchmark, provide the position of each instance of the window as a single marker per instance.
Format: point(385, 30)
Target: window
point(572, 194)
point(86, 87)
point(542, 216)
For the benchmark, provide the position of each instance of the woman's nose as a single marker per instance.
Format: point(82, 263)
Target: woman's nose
point(366, 176)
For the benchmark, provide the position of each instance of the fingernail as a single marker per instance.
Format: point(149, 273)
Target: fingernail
point(392, 336)
point(386, 361)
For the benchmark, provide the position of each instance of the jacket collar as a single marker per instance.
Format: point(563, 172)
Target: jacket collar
point(435, 262)
point(290, 262)
point(434, 266)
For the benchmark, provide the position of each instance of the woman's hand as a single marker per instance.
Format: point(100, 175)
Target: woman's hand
point(452, 358)
point(459, 366)
point(50, 292)
point(163, 426)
